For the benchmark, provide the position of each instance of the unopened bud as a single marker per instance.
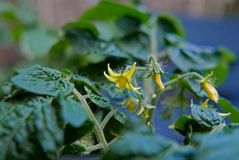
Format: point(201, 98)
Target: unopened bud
point(210, 90)
point(130, 105)
point(158, 82)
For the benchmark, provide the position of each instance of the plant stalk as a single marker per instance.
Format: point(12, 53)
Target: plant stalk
point(107, 118)
point(99, 146)
point(195, 74)
point(153, 53)
point(98, 131)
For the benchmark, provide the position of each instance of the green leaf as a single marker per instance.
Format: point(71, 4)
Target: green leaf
point(172, 40)
point(108, 30)
point(194, 85)
point(227, 107)
point(49, 133)
point(206, 116)
point(116, 23)
point(218, 145)
point(104, 11)
point(29, 129)
point(85, 43)
point(170, 24)
point(72, 112)
point(82, 82)
point(189, 57)
point(12, 126)
point(136, 45)
point(100, 101)
point(127, 24)
point(107, 24)
point(186, 126)
point(82, 25)
point(37, 42)
point(182, 124)
point(232, 126)
point(227, 54)
point(120, 116)
point(43, 81)
point(135, 125)
point(134, 145)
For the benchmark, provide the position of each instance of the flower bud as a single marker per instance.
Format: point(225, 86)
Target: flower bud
point(130, 105)
point(210, 90)
point(158, 82)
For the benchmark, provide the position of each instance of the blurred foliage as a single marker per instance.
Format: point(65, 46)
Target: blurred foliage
point(48, 112)
point(226, 106)
point(21, 25)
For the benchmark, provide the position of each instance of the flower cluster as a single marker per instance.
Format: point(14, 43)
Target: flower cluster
point(123, 80)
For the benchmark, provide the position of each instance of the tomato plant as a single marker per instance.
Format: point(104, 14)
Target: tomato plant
point(104, 103)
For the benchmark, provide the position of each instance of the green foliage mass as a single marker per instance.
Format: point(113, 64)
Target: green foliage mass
point(46, 113)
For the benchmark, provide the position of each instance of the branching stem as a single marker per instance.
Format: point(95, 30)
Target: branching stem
point(107, 118)
point(153, 53)
point(98, 131)
point(99, 146)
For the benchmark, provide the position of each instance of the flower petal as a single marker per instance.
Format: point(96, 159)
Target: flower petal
point(112, 79)
point(130, 72)
point(158, 81)
point(211, 91)
point(111, 72)
point(135, 89)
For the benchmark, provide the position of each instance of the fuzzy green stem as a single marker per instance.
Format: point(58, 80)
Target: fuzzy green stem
point(99, 146)
point(153, 53)
point(98, 131)
point(153, 42)
point(140, 68)
point(195, 74)
point(107, 118)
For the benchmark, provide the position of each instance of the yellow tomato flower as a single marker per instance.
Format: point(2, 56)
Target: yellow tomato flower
point(158, 82)
point(122, 80)
point(210, 90)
